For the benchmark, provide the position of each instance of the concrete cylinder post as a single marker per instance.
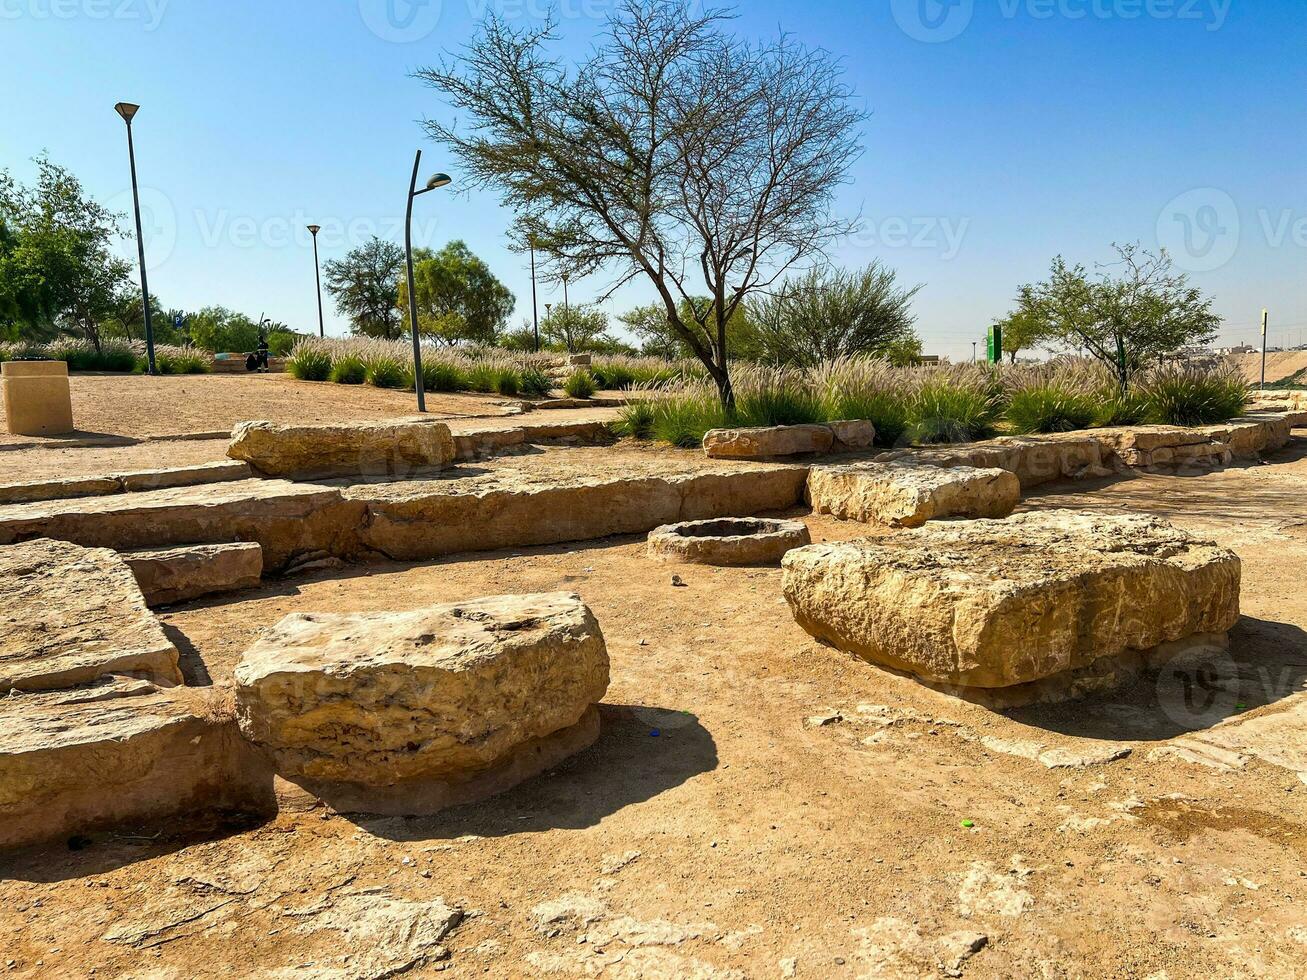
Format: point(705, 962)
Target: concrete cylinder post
point(37, 399)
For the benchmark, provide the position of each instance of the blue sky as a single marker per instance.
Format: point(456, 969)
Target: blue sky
point(1002, 132)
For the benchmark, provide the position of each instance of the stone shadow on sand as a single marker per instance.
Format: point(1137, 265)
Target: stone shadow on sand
point(641, 753)
point(1266, 663)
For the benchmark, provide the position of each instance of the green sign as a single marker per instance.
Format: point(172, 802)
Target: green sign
point(995, 346)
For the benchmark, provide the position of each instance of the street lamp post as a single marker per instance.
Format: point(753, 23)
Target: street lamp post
point(127, 110)
point(317, 272)
point(535, 310)
point(436, 181)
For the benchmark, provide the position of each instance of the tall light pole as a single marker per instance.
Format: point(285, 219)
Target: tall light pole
point(565, 303)
point(535, 310)
point(127, 110)
point(317, 271)
point(437, 180)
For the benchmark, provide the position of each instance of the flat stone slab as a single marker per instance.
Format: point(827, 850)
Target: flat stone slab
point(418, 703)
point(67, 488)
point(119, 752)
point(287, 519)
point(565, 495)
point(768, 442)
point(904, 495)
point(171, 575)
point(221, 471)
point(728, 541)
point(350, 449)
point(70, 615)
point(994, 604)
point(100, 486)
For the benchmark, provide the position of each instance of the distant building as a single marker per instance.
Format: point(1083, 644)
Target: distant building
point(1241, 349)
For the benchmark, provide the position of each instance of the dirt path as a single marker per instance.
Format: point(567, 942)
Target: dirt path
point(758, 805)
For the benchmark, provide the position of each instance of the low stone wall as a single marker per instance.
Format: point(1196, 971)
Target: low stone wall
point(489, 441)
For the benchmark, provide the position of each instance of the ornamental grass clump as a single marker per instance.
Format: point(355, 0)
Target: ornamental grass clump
point(309, 360)
point(766, 396)
point(581, 384)
point(1184, 395)
point(181, 360)
point(870, 388)
point(348, 369)
point(953, 405)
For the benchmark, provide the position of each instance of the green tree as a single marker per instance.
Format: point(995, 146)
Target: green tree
point(1022, 329)
point(60, 273)
point(216, 328)
point(677, 153)
point(904, 351)
point(364, 285)
point(575, 328)
point(831, 313)
point(458, 297)
point(1130, 313)
point(651, 328)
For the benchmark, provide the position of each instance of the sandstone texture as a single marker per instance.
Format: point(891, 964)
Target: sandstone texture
point(446, 694)
point(120, 751)
point(991, 604)
point(853, 435)
point(491, 440)
point(100, 486)
point(67, 488)
point(349, 449)
point(1034, 460)
point(903, 495)
point(286, 519)
point(768, 442)
point(71, 615)
point(731, 541)
point(222, 471)
point(172, 575)
point(566, 495)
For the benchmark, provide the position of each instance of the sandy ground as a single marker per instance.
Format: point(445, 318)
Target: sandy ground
point(716, 830)
point(138, 405)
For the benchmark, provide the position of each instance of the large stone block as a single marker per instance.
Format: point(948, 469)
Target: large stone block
point(768, 442)
point(993, 604)
point(71, 615)
point(171, 575)
point(119, 752)
point(903, 495)
point(349, 449)
point(579, 500)
point(411, 711)
point(287, 519)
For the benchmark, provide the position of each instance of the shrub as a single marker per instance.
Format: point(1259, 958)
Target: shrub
point(442, 375)
point(776, 398)
point(309, 361)
point(508, 382)
point(683, 416)
point(1116, 408)
point(866, 388)
point(1180, 395)
point(282, 342)
point(1050, 407)
point(580, 385)
point(635, 419)
point(536, 383)
point(348, 369)
point(950, 407)
point(386, 370)
point(182, 360)
point(118, 355)
point(483, 377)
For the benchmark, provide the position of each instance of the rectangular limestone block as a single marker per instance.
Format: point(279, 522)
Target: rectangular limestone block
point(119, 753)
point(903, 495)
point(71, 615)
point(37, 398)
point(369, 449)
point(222, 471)
point(287, 519)
point(505, 508)
point(768, 442)
point(65, 489)
point(993, 604)
point(171, 575)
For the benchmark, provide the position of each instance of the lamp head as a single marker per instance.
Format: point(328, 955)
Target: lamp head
point(314, 229)
point(439, 180)
point(127, 110)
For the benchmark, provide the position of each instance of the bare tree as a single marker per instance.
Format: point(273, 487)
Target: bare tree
point(677, 152)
